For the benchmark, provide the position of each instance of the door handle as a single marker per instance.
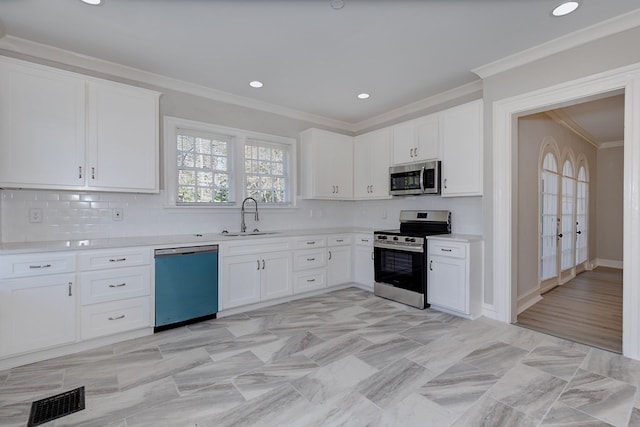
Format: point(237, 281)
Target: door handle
point(578, 232)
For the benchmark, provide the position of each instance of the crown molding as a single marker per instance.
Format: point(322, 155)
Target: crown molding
point(38, 50)
point(563, 119)
point(432, 101)
point(611, 144)
point(602, 29)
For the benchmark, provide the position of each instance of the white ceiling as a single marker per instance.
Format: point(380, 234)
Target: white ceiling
point(311, 58)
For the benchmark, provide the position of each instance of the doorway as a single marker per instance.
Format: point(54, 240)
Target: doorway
point(560, 149)
point(504, 221)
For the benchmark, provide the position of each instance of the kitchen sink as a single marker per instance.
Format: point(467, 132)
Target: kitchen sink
point(248, 233)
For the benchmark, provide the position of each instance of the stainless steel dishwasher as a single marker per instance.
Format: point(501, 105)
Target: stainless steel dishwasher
point(186, 285)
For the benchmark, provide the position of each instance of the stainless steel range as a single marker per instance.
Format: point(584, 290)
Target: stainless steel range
point(400, 256)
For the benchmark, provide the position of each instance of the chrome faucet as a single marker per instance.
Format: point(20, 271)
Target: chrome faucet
point(243, 225)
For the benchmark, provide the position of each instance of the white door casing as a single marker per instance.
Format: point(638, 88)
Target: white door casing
point(505, 113)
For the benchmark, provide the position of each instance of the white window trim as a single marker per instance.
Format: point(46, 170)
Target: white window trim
point(236, 154)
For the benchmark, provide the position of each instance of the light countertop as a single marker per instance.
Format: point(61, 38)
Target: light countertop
point(160, 241)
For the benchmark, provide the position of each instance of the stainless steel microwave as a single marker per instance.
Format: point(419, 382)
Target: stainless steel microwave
point(416, 178)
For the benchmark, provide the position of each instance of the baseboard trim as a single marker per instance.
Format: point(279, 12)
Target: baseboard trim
point(612, 263)
point(529, 299)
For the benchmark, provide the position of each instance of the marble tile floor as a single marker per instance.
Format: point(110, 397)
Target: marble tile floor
point(346, 358)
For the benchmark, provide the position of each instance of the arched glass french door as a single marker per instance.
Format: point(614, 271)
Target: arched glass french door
point(567, 223)
point(582, 226)
point(549, 195)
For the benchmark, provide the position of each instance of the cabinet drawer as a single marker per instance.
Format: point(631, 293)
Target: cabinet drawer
point(441, 248)
point(311, 242)
point(362, 239)
point(309, 280)
point(112, 317)
point(340, 240)
point(312, 258)
point(113, 258)
point(112, 285)
point(36, 264)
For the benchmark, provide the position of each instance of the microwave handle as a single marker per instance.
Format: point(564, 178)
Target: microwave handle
point(422, 172)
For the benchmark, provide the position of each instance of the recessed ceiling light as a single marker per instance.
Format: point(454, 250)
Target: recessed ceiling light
point(565, 8)
point(363, 95)
point(93, 2)
point(256, 84)
point(337, 4)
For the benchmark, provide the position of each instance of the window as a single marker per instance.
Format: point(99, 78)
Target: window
point(215, 166)
point(204, 175)
point(266, 172)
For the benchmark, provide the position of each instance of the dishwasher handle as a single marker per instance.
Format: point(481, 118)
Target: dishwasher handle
point(187, 250)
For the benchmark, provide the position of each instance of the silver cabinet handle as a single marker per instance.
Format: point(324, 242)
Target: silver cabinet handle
point(337, 188)
point(258, 261)
point(364, 240)
point(411, 152)
point(122, 316)
point(415, 152)
point(93, 173)
point(40, 266)
point(445, 183)
point(79, 171)
point(431, 265)
point(263, 264)
point(118, 286)
point(311, 280)
point(311, 243)
point(70, 284)
point(311, 259)
point(339, 240)
point(117, 259)
point(445, 250)
point(329, 254)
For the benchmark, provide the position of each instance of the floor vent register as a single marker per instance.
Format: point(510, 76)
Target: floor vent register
point(54, 407)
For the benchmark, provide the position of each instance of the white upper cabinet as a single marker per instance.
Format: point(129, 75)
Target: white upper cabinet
point(62, 130)
point(462, 150)
point(371, 164)
point(326, 165)
point(42, 127)
point(416, 140)
point(123, 138)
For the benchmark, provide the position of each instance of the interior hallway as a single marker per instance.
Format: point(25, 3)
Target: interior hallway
point(587, 310)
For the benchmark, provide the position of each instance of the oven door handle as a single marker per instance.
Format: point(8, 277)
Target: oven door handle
point(422, 172)
point(417, 249)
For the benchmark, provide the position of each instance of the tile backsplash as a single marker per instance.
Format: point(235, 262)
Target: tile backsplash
point(69, 215)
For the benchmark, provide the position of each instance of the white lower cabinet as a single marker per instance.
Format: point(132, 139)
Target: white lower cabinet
point(339, 260)
point(37, 313)
point(310, 265)
point(454, 280)
point(258, 276)
point(363, 272)
point(276, 280)
point(115, 287)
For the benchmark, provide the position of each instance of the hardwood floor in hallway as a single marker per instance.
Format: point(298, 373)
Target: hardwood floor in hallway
point(587, 309)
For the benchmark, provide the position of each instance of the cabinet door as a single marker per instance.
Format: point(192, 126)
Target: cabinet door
point(277, 274)
point(404, 142)
point(326, 165)
point(339, 261)
point(37, 313)
point(428, 135)
point(371, 164)
point(42, 128)
point(364, 273)
point(446, 283)
point(462, 150)
point(240, 281)
point(123, 138)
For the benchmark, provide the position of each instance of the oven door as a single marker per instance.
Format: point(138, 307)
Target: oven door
point(401, 268)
